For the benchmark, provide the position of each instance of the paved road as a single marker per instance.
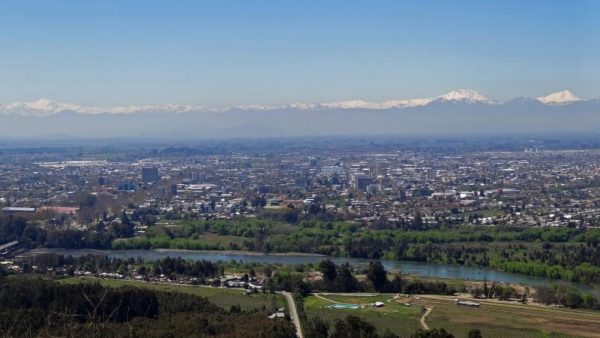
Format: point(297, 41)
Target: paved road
point(293, 312)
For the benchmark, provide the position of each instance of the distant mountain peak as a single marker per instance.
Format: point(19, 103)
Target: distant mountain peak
point(464, 95)
point(562, 97)
point(46, 107)
point(361, 104)
point(40, 107)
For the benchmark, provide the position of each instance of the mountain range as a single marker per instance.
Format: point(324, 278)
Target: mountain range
point(461, 112)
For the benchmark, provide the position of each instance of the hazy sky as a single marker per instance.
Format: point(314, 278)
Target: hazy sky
point(223, 53)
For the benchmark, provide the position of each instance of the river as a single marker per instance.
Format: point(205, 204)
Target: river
point(412, 268)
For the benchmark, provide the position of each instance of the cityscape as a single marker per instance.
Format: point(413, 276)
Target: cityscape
point(308, 169)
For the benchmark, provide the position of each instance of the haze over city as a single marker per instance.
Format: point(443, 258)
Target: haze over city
point(299, 169)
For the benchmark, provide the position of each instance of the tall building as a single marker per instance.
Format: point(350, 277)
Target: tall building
point(361, 182)
point(150, 175)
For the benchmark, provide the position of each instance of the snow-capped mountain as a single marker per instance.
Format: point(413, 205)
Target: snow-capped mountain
point(464, 95)
point(45, 107)
point(562, 97)
point(40, 107)
point(459, 112)
point(361, 104)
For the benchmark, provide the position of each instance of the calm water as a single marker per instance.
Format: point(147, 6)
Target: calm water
point(413, 268)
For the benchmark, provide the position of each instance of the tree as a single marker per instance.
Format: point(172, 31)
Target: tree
point(486, 289)
point(235, 308)
point(268, 272)
point(397, 284)
point(377, 275)
point(354, 327)
point(389, 334)
point(328, 269)
point(475, 333)
point(589, 301)
point(317, 328)
point(345, 281)
point(435, 333)
point(573, 299)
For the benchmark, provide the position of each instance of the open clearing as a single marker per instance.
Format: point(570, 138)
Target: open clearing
point(504, 319)
point(397, 318)
point(493, 318)
point(222, 297)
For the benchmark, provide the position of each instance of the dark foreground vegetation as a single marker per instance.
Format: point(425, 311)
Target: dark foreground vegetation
point(33, 307)
point(354, 327)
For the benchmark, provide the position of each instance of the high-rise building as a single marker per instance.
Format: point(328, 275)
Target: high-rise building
point(150, 175)
point(361, 182)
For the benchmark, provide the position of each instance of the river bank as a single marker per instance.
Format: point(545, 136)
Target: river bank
point(409, 268)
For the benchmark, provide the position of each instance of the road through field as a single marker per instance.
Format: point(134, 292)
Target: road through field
point(506, 317)
point(293, 313)
point(424, 317)
point(323, 298)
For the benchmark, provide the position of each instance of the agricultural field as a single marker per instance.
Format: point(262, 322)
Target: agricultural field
point(395, 317)
point(501, 319)
point(495, 319)
point(221, 297)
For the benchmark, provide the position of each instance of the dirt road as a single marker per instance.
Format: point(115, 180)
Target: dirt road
point(424, 317)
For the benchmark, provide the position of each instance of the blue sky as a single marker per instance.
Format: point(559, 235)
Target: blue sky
point(223, 53)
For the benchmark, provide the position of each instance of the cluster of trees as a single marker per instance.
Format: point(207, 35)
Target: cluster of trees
point(571, 261)
point(566, 296)
point(179, 266)
point(29, 233)
point(556, 294)
point(19, 229)
point(168, 266)
point(36, 307)
point(338, 278)
point(502, 292)
point(341, 279)
point(350, 327)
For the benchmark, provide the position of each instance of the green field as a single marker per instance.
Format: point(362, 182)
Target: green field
point(397, 318)
point(222, 297)
point(494, 319)
point(502, 319)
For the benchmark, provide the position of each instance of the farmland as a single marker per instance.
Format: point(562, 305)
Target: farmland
point(493, 318)
point(221, 297)
point(501, 319)
point(394, 317)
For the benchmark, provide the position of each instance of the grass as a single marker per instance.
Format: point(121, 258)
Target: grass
point(494, 319)
point(397, 318)
point(501, 319)
point(221, 297)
